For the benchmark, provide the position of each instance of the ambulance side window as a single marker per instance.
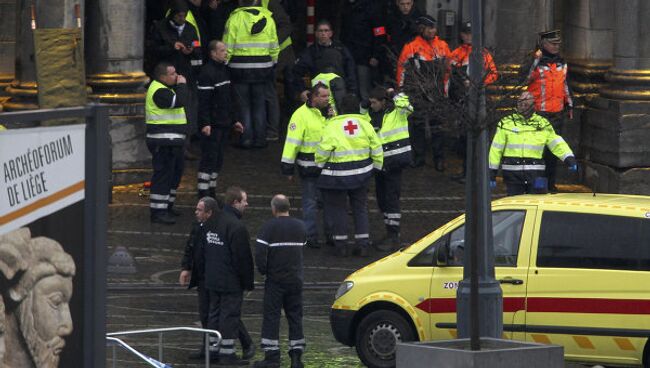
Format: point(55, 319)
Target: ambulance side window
point(425, 258)
point(506, 232)
point(582, 240)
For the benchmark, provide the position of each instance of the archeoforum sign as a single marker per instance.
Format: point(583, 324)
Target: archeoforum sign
point(42, 246)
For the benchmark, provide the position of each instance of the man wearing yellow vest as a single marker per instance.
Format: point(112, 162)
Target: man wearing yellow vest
point(253, 48)
point(518, 146)
point(303, 134)
point(392, 110)
point(166, 132)
point(348, 154)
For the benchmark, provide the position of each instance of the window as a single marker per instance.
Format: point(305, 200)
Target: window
point(506, 231)
point(578, 240)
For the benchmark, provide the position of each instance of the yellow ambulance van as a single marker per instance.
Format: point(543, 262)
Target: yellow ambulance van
point(574, 270)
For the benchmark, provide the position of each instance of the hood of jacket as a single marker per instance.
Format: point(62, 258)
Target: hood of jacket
point(254, 17)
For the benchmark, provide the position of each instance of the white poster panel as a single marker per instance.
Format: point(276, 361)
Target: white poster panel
point(42, 172)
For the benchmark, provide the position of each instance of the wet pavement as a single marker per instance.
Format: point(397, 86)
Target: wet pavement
point(151, 298)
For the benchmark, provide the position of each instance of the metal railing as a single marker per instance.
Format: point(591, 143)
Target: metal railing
point(160, 331)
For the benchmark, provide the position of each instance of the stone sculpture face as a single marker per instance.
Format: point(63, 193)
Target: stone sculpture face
point(38, 273)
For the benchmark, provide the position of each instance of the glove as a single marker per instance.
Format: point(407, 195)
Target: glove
point(493, 184)
point(573, 168)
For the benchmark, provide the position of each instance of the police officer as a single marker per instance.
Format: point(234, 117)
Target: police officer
point(426, 52)
point(303, 134)
point(392, 110)
point(278, 255)
point(348, 154)
point(253, 48)
point(518, 146)
point(192, 273)
point(547, 82)
point(218, 114)
point(228, 272)
point(166, 132)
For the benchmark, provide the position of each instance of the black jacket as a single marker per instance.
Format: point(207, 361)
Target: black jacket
point(401, 29)
point(278, 250)
point(362, 29)
point(218, 102)
point(228, 257)
point(318, 58)
point(193, 256)
point(163, 41)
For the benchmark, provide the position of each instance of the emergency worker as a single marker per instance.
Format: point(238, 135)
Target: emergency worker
point(252, 43)
point(177, 41)
point(193, 270)
point(278, 255)
point(304, 132)
point(218, 114)
point(518, 146)
point(393, 111)
point(334, 83)
point(228, 272)
point(426, 53)
point(166, 133)
point(547, 81)
point(459, 82)
point(348, 154)
point(325, 53)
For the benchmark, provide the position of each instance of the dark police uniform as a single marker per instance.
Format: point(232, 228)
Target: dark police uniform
point(278, 255)
point(219, 109)
point(228, 272)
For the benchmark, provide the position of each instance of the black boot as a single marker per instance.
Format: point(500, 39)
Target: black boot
point(271, 360)
point(390, 242)
point(296, 358)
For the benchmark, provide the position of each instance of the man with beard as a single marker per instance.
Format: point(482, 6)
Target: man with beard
point(518, 145)
point(36, 287)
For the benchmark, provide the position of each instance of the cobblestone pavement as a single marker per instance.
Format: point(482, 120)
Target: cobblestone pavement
point(151, 298)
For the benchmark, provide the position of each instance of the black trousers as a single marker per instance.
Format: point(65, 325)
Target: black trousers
point(204, 312)
point(278, 296)
point(557, 121)
point(212, 149)
point(525, 182)
point(335, 202)
point(388, 185)
point(417, 133)
point(168, 164)
point(225, 317)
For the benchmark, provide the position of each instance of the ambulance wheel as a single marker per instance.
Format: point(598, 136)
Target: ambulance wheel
point(377, 337)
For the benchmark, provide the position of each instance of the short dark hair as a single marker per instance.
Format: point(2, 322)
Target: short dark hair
point(161, 69)
point(378, 93)
point(315, 89)
point(213, 44)
point(233, 193)
point(280, 203)
point(349, 104)
point(324, 22)
point(247, 2)
point(210, 204)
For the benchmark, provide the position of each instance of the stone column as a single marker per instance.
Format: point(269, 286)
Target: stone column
point(616, 128)
point(49, 14)
point(114, 61)
point(7, 43)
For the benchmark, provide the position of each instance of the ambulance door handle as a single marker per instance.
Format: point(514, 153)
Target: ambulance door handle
point(510, 280)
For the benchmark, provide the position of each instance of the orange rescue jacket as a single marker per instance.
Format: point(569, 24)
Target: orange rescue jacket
point(425, 50)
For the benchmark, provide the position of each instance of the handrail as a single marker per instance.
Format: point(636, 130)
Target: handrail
point(160, 331)
point(150, 361)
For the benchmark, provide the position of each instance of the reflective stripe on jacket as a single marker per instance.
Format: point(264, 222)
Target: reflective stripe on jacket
point(460, 58)
point(517, 137)
point(394, 134)
point(422, 50)
point(548, 85)
point(304, 131)
point(348, 153)
point(251, 39)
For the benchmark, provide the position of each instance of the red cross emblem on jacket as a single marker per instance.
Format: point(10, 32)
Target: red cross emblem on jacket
point(351, 127)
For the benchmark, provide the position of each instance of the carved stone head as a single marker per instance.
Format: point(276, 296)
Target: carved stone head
point(36, 283)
